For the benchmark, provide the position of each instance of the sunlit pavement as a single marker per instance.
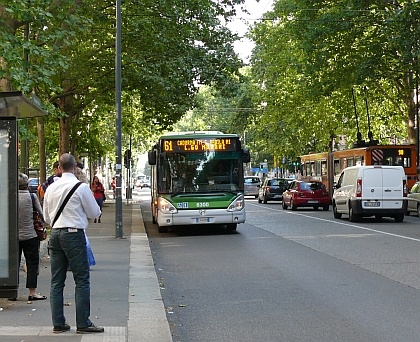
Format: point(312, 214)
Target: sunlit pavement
point(125, 294)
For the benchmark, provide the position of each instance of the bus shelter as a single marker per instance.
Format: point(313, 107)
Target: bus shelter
point(13, 106)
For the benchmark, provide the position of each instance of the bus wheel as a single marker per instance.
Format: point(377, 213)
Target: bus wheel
point(162, 229)
point(337, 215)
point(231, 226)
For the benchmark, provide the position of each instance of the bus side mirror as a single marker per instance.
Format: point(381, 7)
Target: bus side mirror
point(151, 156)
point(246, 156)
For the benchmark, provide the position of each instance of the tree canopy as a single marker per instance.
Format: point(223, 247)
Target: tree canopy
point(310, 56)
point(64, 52)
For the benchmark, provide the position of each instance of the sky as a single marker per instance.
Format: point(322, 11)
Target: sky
point(239, 25)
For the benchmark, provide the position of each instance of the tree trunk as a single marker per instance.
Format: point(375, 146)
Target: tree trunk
point(411, 117)
point(41, 151)
point(4, 82)
point(66, 105)
point(64, 143)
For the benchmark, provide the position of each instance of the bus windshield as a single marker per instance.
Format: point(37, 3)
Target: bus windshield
point(208, 171)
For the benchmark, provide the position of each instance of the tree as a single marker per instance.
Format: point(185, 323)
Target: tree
point(168, 49)
point(309, 57)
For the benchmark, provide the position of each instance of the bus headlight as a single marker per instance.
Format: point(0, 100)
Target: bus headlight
point(166, 207)
point(238, 204)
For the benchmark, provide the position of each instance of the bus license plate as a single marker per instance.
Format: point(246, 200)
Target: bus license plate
point(202, 220)
point(372, 204)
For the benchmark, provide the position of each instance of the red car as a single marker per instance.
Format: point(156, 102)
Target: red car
point(306, 194)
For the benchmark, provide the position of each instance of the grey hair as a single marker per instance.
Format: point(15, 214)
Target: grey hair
point(23, 181)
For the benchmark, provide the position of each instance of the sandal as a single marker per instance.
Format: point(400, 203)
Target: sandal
point(31, 298)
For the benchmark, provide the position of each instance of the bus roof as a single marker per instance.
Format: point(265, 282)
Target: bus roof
point(196, 134)
point(365, 148)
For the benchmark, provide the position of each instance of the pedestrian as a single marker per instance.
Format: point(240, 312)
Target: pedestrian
point(28, 238)
point(298, 175)
point(43, 187)
point(67, 244)
point(114, 187)
point(98, 192)
point(81, 176)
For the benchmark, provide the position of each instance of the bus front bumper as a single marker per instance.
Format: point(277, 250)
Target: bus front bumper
point(200, 217)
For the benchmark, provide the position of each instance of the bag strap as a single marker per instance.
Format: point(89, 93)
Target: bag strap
point(32, 199)
point(64, 203)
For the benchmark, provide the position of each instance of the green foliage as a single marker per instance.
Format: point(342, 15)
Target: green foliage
point(46, 32)
point(168, 49)
point(308, 57)
point(231, 109)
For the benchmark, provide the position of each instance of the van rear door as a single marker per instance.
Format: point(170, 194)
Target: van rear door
point(392, 180)
point(372, 197)
point(382, 188)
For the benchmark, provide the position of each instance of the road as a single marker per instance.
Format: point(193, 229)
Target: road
point(291, 276)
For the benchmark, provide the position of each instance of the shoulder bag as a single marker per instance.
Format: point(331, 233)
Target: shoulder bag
point(39, 224)
point(65, 202)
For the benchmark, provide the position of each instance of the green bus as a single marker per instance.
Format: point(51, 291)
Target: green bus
point(197, 178)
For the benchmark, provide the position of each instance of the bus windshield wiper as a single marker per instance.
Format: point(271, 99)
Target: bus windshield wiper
point(176, 193)
point(224, 191)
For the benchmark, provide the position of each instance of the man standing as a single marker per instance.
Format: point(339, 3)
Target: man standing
point(43, 187)
point(67, 245)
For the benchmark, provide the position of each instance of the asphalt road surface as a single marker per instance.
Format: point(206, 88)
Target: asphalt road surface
point(290, 276)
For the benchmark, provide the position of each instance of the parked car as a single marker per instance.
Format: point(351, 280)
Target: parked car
point(375, 190)
point(413, 200)
point(272, 189)
point(33, 184)
point(251, 185)
point(145, 184)
point(306, 194)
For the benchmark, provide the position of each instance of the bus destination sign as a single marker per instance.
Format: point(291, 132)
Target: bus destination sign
point(199, 145)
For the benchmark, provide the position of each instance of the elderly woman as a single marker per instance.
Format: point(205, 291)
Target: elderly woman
point(28, 239)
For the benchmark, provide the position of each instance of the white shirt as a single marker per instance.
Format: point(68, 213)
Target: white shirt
point(81, 206)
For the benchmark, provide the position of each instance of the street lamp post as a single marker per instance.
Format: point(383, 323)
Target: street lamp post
point(118, 200)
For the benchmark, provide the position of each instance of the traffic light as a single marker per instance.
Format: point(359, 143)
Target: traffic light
point(127, 158)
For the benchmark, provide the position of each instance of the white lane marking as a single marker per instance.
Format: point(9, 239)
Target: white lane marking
point(337, 222)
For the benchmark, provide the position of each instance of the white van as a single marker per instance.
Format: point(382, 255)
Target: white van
point(371, 190)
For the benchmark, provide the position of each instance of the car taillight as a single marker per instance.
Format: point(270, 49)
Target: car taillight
point(267, 188)
point(405, 189)
point(359, 188)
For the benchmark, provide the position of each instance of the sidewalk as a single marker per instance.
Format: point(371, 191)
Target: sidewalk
point(125, 293)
